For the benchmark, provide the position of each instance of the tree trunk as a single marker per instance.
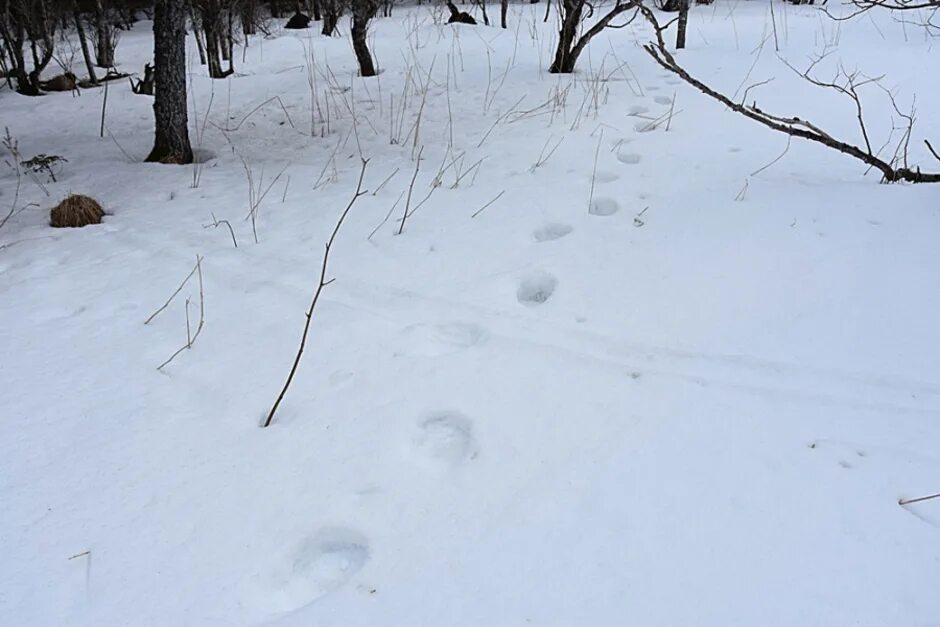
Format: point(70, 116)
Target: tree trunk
point(14, 38)
point(486, 19)
point(565, 57)
point(503, 9)
point(171, 137)
point(249, 17)
point(683, 23)
point(104, 37)
point(363, 11)
point(197, 33)
point(316, 11)
point(213, 26)
point(330, 16)
point(83, 40)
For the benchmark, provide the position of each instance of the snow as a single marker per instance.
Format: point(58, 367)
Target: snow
point(683, 394)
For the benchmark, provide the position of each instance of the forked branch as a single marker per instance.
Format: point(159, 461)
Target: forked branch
point(316, 295)
point(795, 126)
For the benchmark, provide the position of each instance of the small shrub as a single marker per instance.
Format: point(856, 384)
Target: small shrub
point(45, 164)
point(76, 211)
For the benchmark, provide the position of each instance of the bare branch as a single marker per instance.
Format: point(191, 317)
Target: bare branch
point(316, 295)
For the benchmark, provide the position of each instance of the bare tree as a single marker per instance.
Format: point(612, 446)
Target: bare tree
point(105, 32)
point(682, 22)
point(213, 20)
point(28, 25)
point(332, 10)
point(574, 13)
point(171, 136)
point(362, 12)
point(83, 41)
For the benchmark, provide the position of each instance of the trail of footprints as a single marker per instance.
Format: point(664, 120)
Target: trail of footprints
point(442, 441)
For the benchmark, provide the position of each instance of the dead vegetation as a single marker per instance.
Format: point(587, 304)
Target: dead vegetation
point(76, 211)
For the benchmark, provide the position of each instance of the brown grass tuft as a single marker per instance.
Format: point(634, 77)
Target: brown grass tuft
point(76, 211)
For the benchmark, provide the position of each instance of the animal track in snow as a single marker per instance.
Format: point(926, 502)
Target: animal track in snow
point(445, 439)
point(638, 110)
point(604, 207)
point(630, 158)
point(321, 564)
point(644, 127)
point(434, 340)
point(663, 100)
point(653, 88)
point(536, 289)
point(606, 177)
point(549, 232)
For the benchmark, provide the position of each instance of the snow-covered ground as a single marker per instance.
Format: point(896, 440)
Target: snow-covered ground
point(558, 412)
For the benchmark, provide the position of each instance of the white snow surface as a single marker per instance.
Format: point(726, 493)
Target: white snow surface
point(558, 412)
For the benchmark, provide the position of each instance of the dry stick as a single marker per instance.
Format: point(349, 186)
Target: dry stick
point(785, 151)
point(215, 224)
point(672, 108)
point(480, 210)
point(932, 151)
point(255, 110)
point(389, 178)
point(316, 295)
point(918, 499)
point(404, 216)
point(172, 296)
point(104, 106)
point(773, 18)
point(600, 138)
point(190, 340)
point(286, 187)
point(387, 216)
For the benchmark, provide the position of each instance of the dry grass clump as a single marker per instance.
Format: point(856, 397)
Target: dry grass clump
point(76, 211)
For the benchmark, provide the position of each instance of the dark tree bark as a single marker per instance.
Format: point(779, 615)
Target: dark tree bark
point(363, 11)
point(28, 26)
point(277, 8)
point(570, 46)
point(683, 23)
point(482, 5)
point(248, 15)
point(331, 12)
point(105, 35)
point(83, 40)
point(171, 137)
point(315, 7)
point(215, 25)
point(503, 9)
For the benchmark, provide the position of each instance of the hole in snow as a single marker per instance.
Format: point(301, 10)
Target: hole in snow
point(604, 207)
point(536, 289)
point(551, 232)
point(446, 439)
point(663, 100)
point(322, 563)
point(630, 158)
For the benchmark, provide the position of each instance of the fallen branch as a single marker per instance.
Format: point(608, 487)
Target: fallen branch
point(918, 499)
point(793, 126)
point(316, 295)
